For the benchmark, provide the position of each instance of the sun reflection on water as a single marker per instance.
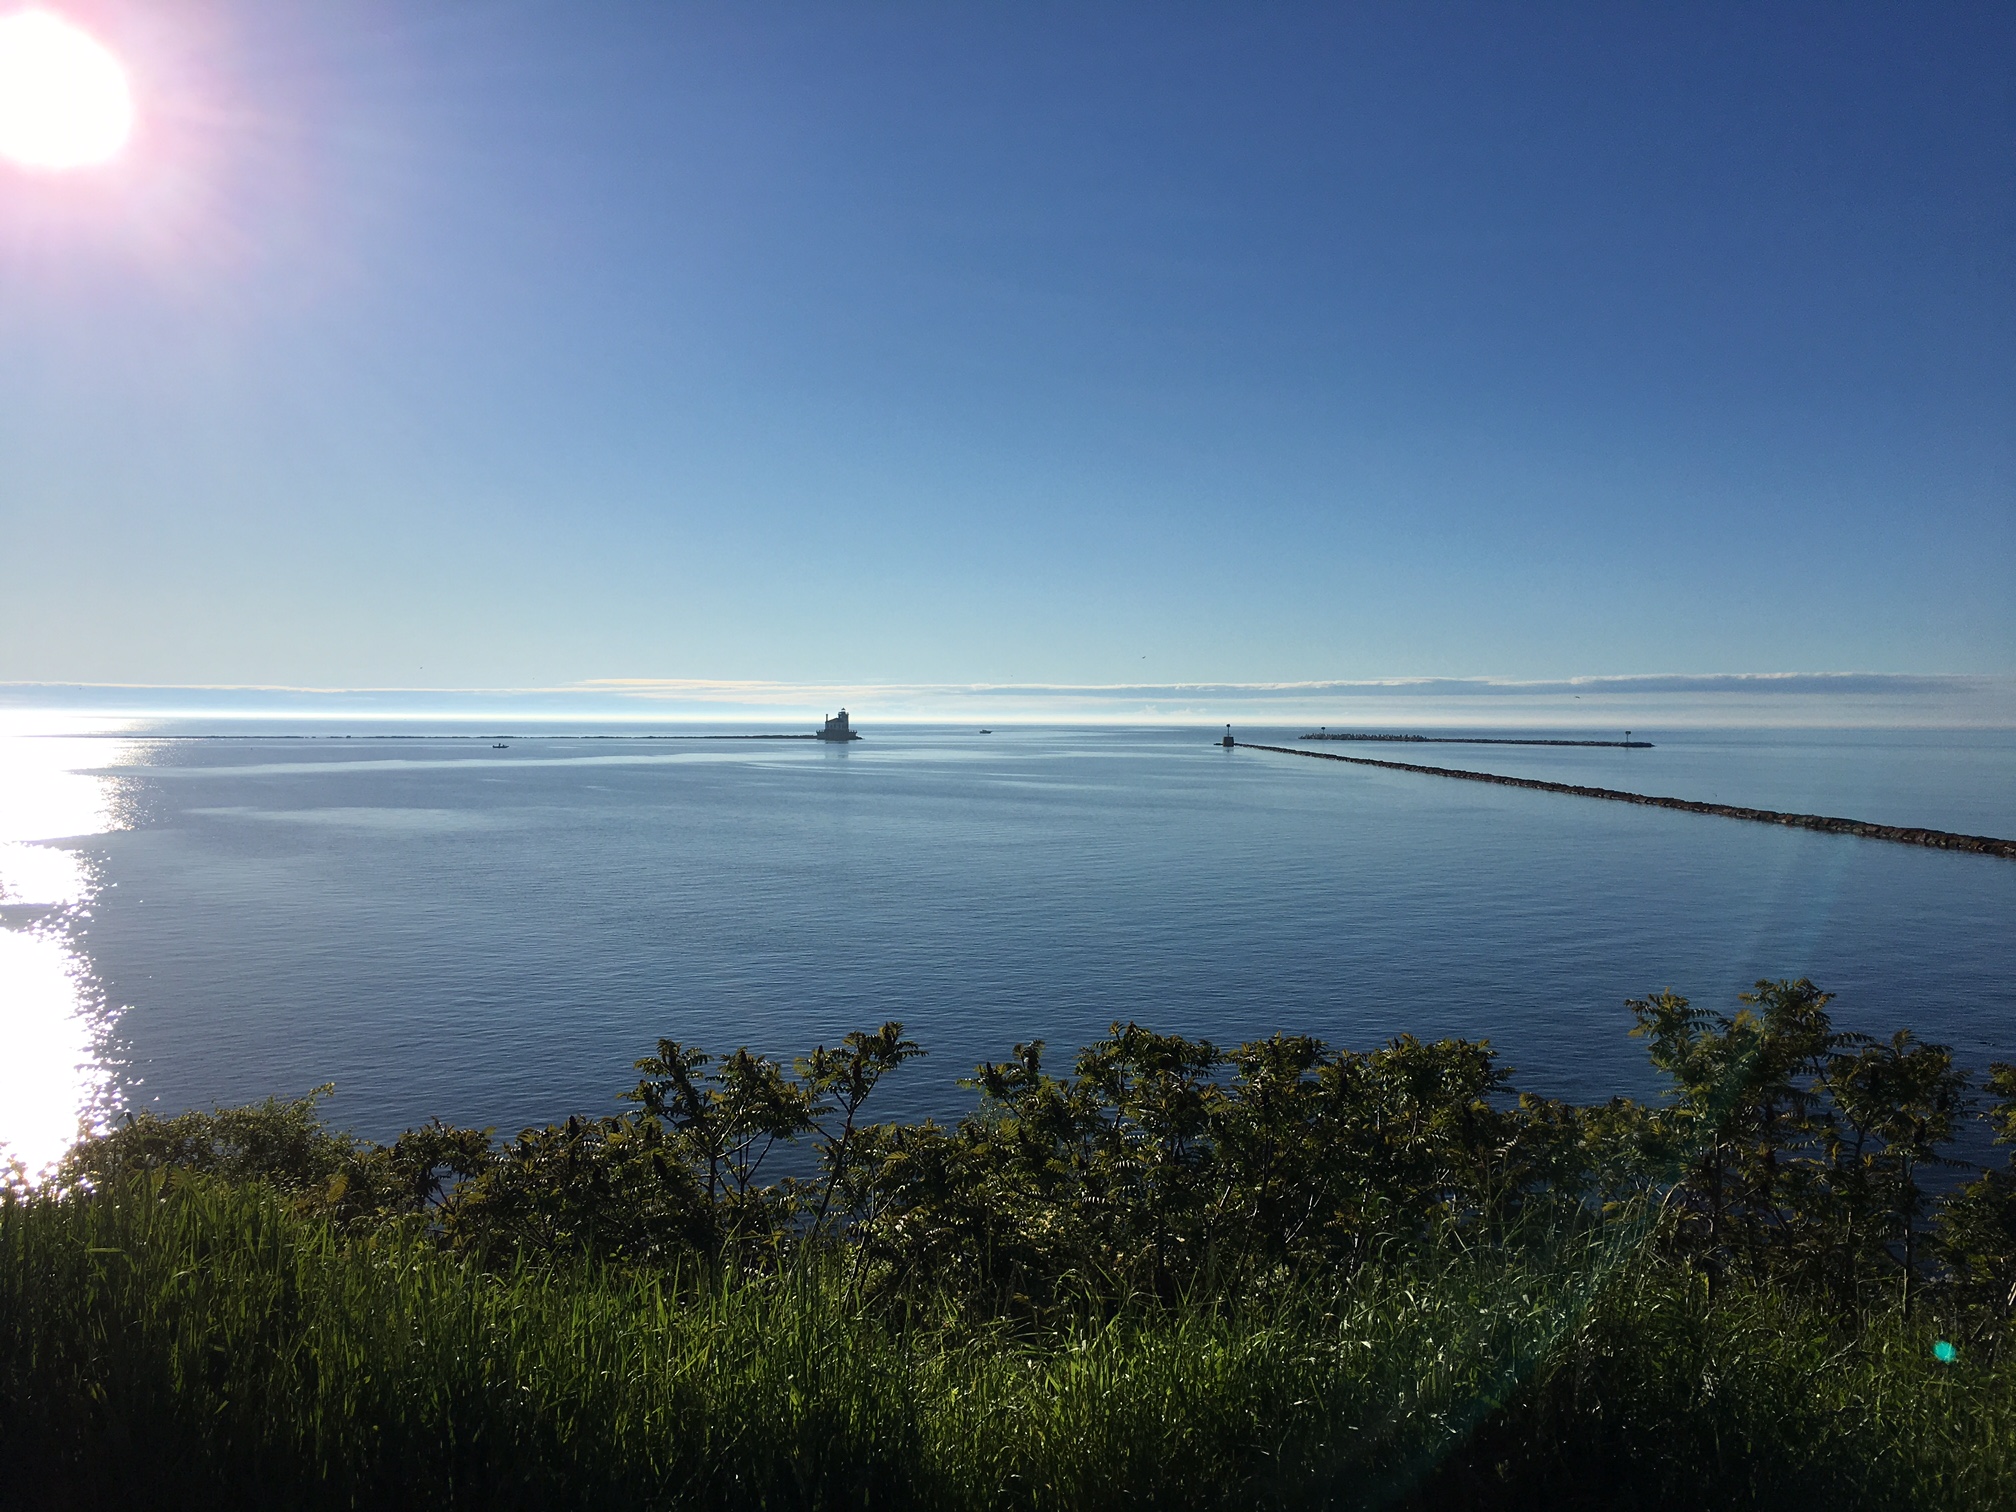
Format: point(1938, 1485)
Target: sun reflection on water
point(58, 1072)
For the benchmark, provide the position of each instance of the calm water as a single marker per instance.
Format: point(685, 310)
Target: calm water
point(493, 935)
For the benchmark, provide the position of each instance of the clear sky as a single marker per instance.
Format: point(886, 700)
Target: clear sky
point(442, 343)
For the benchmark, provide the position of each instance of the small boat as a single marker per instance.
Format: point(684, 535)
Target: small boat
point(986, 732)
point(500, 746)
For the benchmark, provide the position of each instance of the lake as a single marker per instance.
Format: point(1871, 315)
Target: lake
point(493, 935)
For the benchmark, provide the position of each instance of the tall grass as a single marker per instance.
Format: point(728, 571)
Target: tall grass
point(170, 1343)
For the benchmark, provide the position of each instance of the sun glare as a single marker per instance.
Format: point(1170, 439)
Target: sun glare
point(64, 100)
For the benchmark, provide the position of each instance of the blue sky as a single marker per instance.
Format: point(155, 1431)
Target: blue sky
point(520, 345)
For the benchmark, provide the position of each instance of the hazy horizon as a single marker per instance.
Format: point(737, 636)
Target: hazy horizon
point(1782, 701)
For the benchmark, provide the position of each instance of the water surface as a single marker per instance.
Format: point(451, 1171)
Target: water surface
point(494, 935)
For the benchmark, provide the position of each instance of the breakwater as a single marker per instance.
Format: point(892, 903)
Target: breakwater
point(1980, 845)
point(1620, 745)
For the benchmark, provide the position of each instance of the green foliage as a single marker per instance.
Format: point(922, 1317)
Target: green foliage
point(286, 1146)
point(1165, 1164)
point(610, 1187)
point(1894, 1107)
point(1178, 1276)
point(1161, 1165)
point(1976, 1232)
point(1794, 1148)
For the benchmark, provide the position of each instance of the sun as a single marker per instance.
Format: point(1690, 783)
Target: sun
point(64, 100)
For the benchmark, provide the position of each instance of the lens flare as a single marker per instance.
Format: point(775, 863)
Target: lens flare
point(64, 99)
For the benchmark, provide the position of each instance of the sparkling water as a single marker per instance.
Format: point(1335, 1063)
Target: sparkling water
point(493, 935)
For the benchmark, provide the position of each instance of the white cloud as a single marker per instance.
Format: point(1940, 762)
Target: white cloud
point(1648, 701)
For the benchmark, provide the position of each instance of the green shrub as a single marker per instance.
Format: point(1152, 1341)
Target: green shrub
point(1179, 1277)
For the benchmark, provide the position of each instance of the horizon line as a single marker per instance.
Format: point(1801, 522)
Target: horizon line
point(1640, 700)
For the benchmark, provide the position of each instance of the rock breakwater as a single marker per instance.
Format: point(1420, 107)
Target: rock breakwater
point(1622, 745)
point(1980, 845)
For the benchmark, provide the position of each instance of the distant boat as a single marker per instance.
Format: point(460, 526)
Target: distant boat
point(986, 732)
point(837, 728)
point(500, 746)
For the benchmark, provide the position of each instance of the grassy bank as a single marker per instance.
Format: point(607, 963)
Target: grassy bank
point(1276, 1276)
point(202, 1343)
